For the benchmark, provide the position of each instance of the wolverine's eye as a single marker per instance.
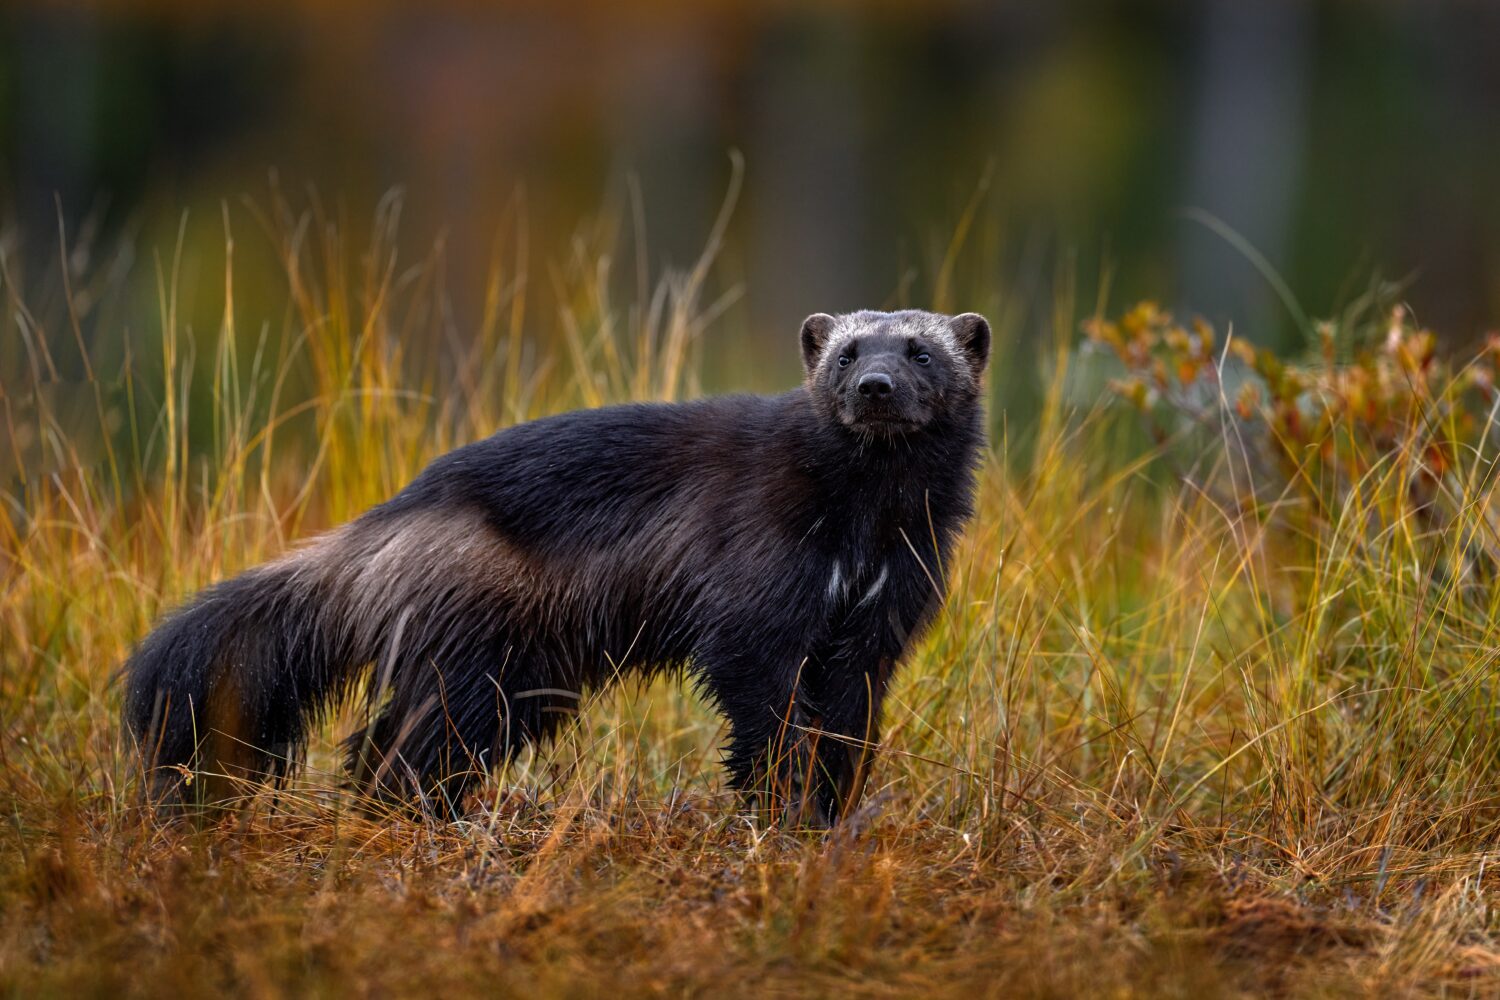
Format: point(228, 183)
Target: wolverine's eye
point(843, 361)
point(923, 359)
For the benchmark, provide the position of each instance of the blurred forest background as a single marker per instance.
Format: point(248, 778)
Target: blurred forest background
point(1342, 141)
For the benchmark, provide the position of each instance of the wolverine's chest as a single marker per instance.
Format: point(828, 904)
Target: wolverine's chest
point(868, 530)
point(873, 537)
point(868, 557)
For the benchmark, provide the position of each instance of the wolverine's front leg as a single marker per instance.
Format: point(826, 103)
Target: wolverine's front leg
point(772, 756)
point(850, 692)
point(847, 677)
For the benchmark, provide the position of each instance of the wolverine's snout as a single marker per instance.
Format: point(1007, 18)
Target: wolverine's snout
point(879, 394)
point(876, 385)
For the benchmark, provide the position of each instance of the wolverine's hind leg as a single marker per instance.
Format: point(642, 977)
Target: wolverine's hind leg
point(449, 719)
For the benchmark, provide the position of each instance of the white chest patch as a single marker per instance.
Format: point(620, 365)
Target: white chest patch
point(838, 583)
point(875, 587)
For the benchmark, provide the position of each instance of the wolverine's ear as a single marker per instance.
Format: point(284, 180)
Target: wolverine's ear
point(815, 331)
point(973, 333)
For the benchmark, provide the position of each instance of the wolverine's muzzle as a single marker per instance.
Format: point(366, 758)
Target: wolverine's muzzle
point(880, 400)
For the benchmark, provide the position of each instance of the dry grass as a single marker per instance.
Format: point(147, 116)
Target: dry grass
point(1156, 745)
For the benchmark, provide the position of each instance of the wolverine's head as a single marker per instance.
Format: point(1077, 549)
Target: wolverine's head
point(894, 373)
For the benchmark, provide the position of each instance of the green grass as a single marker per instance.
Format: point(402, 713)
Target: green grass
point(1160, 742)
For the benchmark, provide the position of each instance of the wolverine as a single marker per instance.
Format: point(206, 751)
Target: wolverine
point(783, 552)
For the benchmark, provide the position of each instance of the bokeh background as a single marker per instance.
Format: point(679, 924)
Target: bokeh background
point(1345, 142)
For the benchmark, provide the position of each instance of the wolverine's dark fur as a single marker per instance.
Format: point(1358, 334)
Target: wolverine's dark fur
point(784, 550)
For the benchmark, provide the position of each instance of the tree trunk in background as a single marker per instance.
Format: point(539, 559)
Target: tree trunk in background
point(1246, 150)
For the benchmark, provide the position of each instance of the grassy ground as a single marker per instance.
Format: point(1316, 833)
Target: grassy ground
point(1163, 741)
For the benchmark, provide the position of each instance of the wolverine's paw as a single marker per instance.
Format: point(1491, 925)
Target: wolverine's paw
point(804, 807)
point(792, 793)
point(789, 813)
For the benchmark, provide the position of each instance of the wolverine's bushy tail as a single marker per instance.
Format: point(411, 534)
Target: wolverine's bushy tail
point(228, 685)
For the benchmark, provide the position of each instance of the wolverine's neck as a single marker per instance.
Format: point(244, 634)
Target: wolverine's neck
point(925, 472)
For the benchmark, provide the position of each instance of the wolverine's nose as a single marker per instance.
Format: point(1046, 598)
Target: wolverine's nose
point(876, 385)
